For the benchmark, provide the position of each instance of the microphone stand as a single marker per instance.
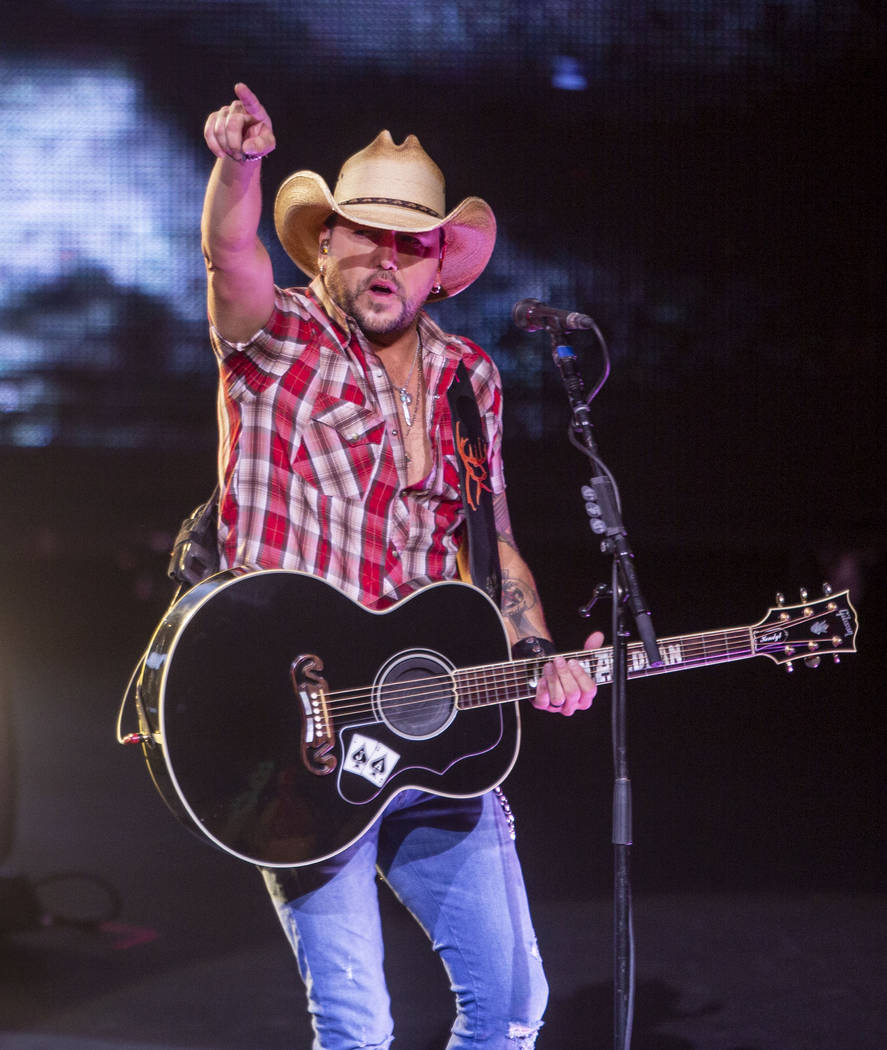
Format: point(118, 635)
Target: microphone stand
point(602, 505)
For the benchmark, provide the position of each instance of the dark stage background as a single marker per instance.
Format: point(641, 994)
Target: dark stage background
point(705, 179)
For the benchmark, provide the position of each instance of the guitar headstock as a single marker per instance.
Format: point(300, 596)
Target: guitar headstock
point(807, 631)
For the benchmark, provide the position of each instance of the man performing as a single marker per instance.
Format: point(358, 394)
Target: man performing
point(338, 458)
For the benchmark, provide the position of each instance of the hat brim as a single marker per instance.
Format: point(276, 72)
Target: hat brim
point(304, 203)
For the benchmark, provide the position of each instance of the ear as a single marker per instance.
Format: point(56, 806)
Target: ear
point(323, 249)
point(436, 287)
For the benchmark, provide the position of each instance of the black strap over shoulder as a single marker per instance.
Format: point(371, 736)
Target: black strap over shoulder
point(471, 448)
point(195, 552)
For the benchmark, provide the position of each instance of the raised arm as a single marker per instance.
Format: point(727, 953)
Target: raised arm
point(564, 687)
point(240, 283)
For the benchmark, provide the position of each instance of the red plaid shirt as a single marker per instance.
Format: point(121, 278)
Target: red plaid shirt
point(312, 468)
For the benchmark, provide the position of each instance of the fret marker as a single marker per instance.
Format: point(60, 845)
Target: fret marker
point(672, 654)
point(638, 660)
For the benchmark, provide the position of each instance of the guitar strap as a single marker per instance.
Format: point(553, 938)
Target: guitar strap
point(195, 552)
point(477, 498)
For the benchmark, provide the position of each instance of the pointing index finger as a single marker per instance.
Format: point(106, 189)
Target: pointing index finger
point(250, 101)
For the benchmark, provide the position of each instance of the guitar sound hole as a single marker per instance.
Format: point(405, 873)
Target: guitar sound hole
point(414, 694)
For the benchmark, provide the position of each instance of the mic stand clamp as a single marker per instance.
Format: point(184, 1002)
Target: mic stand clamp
point(602, 506)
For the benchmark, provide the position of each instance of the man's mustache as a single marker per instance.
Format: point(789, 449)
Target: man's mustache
point(385, 279)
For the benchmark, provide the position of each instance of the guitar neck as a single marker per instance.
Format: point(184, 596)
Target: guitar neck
point(678, 654)
point(516, 680)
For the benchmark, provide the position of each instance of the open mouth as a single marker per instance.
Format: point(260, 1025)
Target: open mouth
point(384, 289)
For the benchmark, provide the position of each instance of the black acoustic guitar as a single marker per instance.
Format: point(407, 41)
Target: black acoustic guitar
point(278, 717)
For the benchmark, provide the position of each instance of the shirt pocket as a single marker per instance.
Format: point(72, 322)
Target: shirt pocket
point(340, 447)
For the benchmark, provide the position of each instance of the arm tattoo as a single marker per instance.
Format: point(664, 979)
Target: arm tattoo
point(518, 598)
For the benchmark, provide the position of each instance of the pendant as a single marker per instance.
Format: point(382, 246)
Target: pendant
point(406, 400)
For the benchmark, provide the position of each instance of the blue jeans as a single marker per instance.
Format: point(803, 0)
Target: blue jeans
point(453, 864)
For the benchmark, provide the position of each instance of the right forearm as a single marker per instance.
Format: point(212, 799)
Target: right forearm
point(240, 292)
point(232, 208)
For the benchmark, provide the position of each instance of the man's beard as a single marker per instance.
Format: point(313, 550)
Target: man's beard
point(368, 321)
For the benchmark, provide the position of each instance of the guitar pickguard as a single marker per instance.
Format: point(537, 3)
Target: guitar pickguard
point(400, 763)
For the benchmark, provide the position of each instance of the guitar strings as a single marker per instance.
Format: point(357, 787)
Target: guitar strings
point(485, 683)
point(486, 688)
point(490, 680)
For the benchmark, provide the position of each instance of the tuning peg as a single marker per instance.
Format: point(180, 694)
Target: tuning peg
point(803, 594)
point(836, 658)
point(780, 598)
point(812, 661)
point(790, 668)
point(827, 589)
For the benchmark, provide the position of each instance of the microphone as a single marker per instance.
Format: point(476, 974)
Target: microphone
point(531, 316)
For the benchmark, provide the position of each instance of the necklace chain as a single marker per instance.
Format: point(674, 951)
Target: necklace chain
point(406, 398)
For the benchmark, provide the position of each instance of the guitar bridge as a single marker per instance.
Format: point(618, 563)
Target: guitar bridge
point(317, 735)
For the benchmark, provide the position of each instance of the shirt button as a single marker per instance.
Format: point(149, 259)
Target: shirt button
point(395, 553)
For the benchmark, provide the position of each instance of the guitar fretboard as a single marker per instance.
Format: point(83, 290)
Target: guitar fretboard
point(506, 682)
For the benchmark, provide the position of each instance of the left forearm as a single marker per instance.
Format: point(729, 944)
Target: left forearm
point(521, 607)
point(564, 686)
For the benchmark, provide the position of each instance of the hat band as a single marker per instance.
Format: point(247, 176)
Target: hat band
point(390, 200)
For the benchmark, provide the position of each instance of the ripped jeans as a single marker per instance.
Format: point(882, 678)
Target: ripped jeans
point(453, 864)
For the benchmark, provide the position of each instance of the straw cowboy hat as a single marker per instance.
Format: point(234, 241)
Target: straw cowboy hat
point(388, 187)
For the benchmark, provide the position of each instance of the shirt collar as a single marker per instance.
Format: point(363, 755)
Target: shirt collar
point(317, 290)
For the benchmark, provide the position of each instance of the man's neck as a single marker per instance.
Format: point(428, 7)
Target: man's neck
point(396, 349)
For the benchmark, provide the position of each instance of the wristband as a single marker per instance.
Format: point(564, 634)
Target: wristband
point(530, 647)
